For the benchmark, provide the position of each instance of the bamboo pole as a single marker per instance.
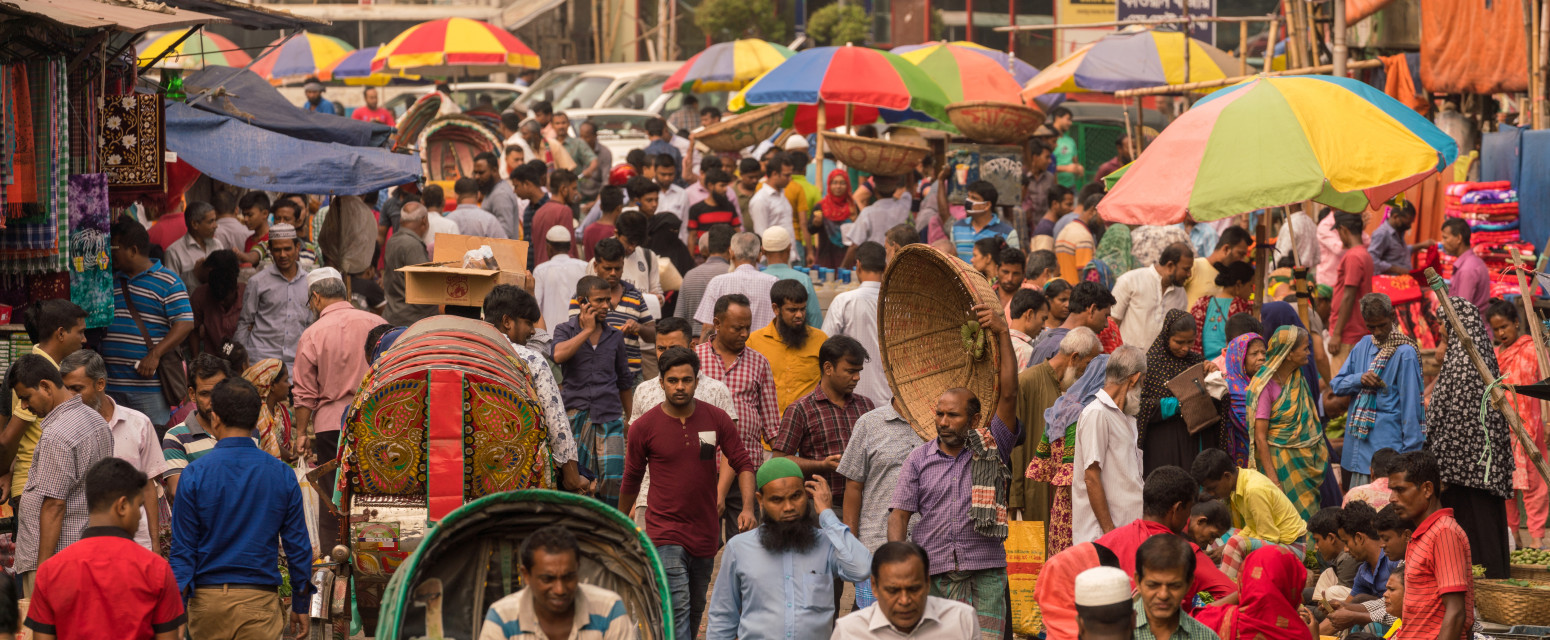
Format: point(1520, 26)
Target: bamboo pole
point(1338, 35)
point(1293, 27)
point(1270, 46)
point(823, 189)
point(1498, 397)
point(1243, 48)
point(1212, 84)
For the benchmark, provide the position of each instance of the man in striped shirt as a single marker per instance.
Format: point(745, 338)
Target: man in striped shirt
point(746, 373)
point(1439, 587)
point(132, 351)
point(186, 442)
point(553, 603)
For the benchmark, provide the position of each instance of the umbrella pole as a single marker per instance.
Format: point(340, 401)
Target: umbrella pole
point(1498, 397)
point(850, 113)
point(1525, 296)
point(1261, 257)
point(1243, 48)
point(823, 189)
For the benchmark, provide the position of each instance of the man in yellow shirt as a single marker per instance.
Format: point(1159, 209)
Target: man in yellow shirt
point(57, 329)
point(789, 344)
point(1261, 512)
point(1232, 246)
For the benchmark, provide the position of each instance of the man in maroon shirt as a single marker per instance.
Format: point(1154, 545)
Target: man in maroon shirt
point(1166, 501)
point(679, 440)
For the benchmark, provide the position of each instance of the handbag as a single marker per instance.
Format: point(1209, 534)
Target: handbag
point(1195, 403)
point(169, 370)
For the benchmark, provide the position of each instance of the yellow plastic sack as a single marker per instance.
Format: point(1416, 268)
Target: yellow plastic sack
point(1024, 560)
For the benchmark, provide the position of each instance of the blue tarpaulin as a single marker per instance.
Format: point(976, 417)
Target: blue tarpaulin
point(242, 94)
point(1534, 188)
point(238, 153)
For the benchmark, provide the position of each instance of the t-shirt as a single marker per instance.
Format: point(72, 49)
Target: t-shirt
point(105, 586)
point(703, 214)
point(379, 114)
point(1355, 271)
point(1065, 153)
point(683, 462)
point(594, 234)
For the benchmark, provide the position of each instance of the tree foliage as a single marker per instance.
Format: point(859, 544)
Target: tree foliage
point(839, 23)
point(726, 20)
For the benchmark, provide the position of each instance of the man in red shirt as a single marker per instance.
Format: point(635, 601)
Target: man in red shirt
point(371, 112)
point(1439, 588)
point(1166, 500)
point(107, 585)
point(1352, 281)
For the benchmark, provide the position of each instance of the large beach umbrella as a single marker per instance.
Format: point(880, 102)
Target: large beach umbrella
point(727, 66)
point(1131, 59)
point(855, 85)
point(966, 75)
point(1021, 71)
point(306, 54)
point(454, 47)
point(203, 49)
point(355, 69)
point(1270, 142)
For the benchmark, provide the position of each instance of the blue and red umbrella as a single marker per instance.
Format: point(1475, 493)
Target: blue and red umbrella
point(872, 84)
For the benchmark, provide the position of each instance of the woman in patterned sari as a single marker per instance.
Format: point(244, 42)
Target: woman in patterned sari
point(274, 412)
point(1288, 439)
point(1054, 458)
point(1243, 357)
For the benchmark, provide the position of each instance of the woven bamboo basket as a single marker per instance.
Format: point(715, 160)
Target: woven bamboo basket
point(995, 122)
point(1510, 605)
point(926, 298)
point(1530, 572)
point(746, 129)
point(877, 157)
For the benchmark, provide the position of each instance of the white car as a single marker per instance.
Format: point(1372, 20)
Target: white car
point(625, 85)
point(467, 95)
point(620, 130)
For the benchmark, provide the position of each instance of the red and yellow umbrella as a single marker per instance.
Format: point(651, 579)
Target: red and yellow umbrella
point(454, 47)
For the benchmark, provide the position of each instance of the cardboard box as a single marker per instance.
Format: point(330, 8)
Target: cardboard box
point(444, 281)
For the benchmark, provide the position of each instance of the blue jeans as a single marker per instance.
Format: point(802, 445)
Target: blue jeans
point(688, 578)
point(150, 403)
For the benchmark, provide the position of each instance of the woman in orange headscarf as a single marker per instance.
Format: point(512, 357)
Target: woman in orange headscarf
point(836, 208)
point(1268, 608)
point(274, 413)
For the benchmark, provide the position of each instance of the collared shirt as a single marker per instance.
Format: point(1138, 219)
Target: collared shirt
point(579, 151)
point(562, 446)
point(675, 200)
point(162, 300)
point(1437, 563)
point(1372, 580)
point(1401, 417)
point(942, 619)
point(1262, 511)
point(938, 487)
point(1471, 280)
point(600, 615)
point(185, 253)
point(1022, 347)
point(745, 279)
point(596, 373)
point(554, 285)
point(753, 392)
point(474, 221)
point(75, 437)
point(232, 234)
point(1140, 303)
point(104, 587)
point(134, 440)
point(964, 235)
point(631, 306)
point(404, 249)
point(330, 363)
point(814, 427)
point(682, 452)
point(1037, 201)
point(1189, 628)
point(649, 394)
point(184, 444)
point(324, 105)
point(274, 314)
point(796, 371)
point(232, 507)
point(879, 443)
point(1388, 248)
point(769, 208)
point(1125, 539)
point(761, 595)
point(30, 434)
point(1299, 235)
point(785, 272)
point(873, 223)
point(854, 313)
point(1105, 435)
point(1202, 281)
point(692, 291)
point(501, 202)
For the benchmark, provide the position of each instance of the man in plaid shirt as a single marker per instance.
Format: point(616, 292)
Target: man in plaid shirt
point(816, 428)
point(726, 357)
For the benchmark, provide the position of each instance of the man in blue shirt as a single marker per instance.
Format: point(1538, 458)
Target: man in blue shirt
point(1359, 532)
point(1383, 372)
point(656, 131)
point(233, 504)
point(315, 101)
point(979, 220)
point(1389, 252)
point(149, 323)
point(778, 581)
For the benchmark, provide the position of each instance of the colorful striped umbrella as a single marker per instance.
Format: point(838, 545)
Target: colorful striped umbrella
point(966, 75)
point(355, 69)
point(1270, 142)
point(203, 49)
point(1021, 71)
point(305, 55)
point(454, 47)
point(1131, 59)
point(873, 84)
point(727, 66)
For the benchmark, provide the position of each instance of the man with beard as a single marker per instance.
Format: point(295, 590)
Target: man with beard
point(1037, 389)
point(498, 197)
point(777, 581)
point(315, 102)
point(789, 344)
point(815, 429)
point(1389, 252)
point(958, 485)
point(186, 442)
point(681, 511)
point(1143, 296)
point(1087, 306)
point(1106, 491)
point(134, 438)
point(715, 208)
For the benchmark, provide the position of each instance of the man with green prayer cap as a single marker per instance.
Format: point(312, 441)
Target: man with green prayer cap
point(777, 581)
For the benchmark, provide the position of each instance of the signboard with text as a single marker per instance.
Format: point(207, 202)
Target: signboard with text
point(1079, 12)
point(1164, 9)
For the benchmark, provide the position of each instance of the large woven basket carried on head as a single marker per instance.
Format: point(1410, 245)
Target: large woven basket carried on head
point(929, 346)
point(742, 130)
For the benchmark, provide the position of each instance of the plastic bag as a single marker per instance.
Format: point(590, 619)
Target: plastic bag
point(1024, 559)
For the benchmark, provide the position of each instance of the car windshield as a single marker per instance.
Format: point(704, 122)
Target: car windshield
point(470, 99)
point(639, 93)
point(583, 93)
point(545, 88)
point(620, 126)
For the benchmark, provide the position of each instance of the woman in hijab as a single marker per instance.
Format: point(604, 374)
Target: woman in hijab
point(274, 411)
point(1268, 600)
point(1288, 437)
point(1274, 315)
point(834, 209)
point(663, 241)
point(1243, 356)
point(1473, 445)
point(1115, 251)
point(1054, 458)
point(1165, 438)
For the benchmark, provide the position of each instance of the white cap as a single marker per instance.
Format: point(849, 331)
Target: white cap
point(326, 273)
point(797, 142)
point(776, 239)
point(1102, 586)
point(558, 234)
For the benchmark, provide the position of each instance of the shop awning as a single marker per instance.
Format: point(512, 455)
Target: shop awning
point(249, 16)
point(521, 12)
point(93, 14)
point(242, 94)
point(234, 152)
